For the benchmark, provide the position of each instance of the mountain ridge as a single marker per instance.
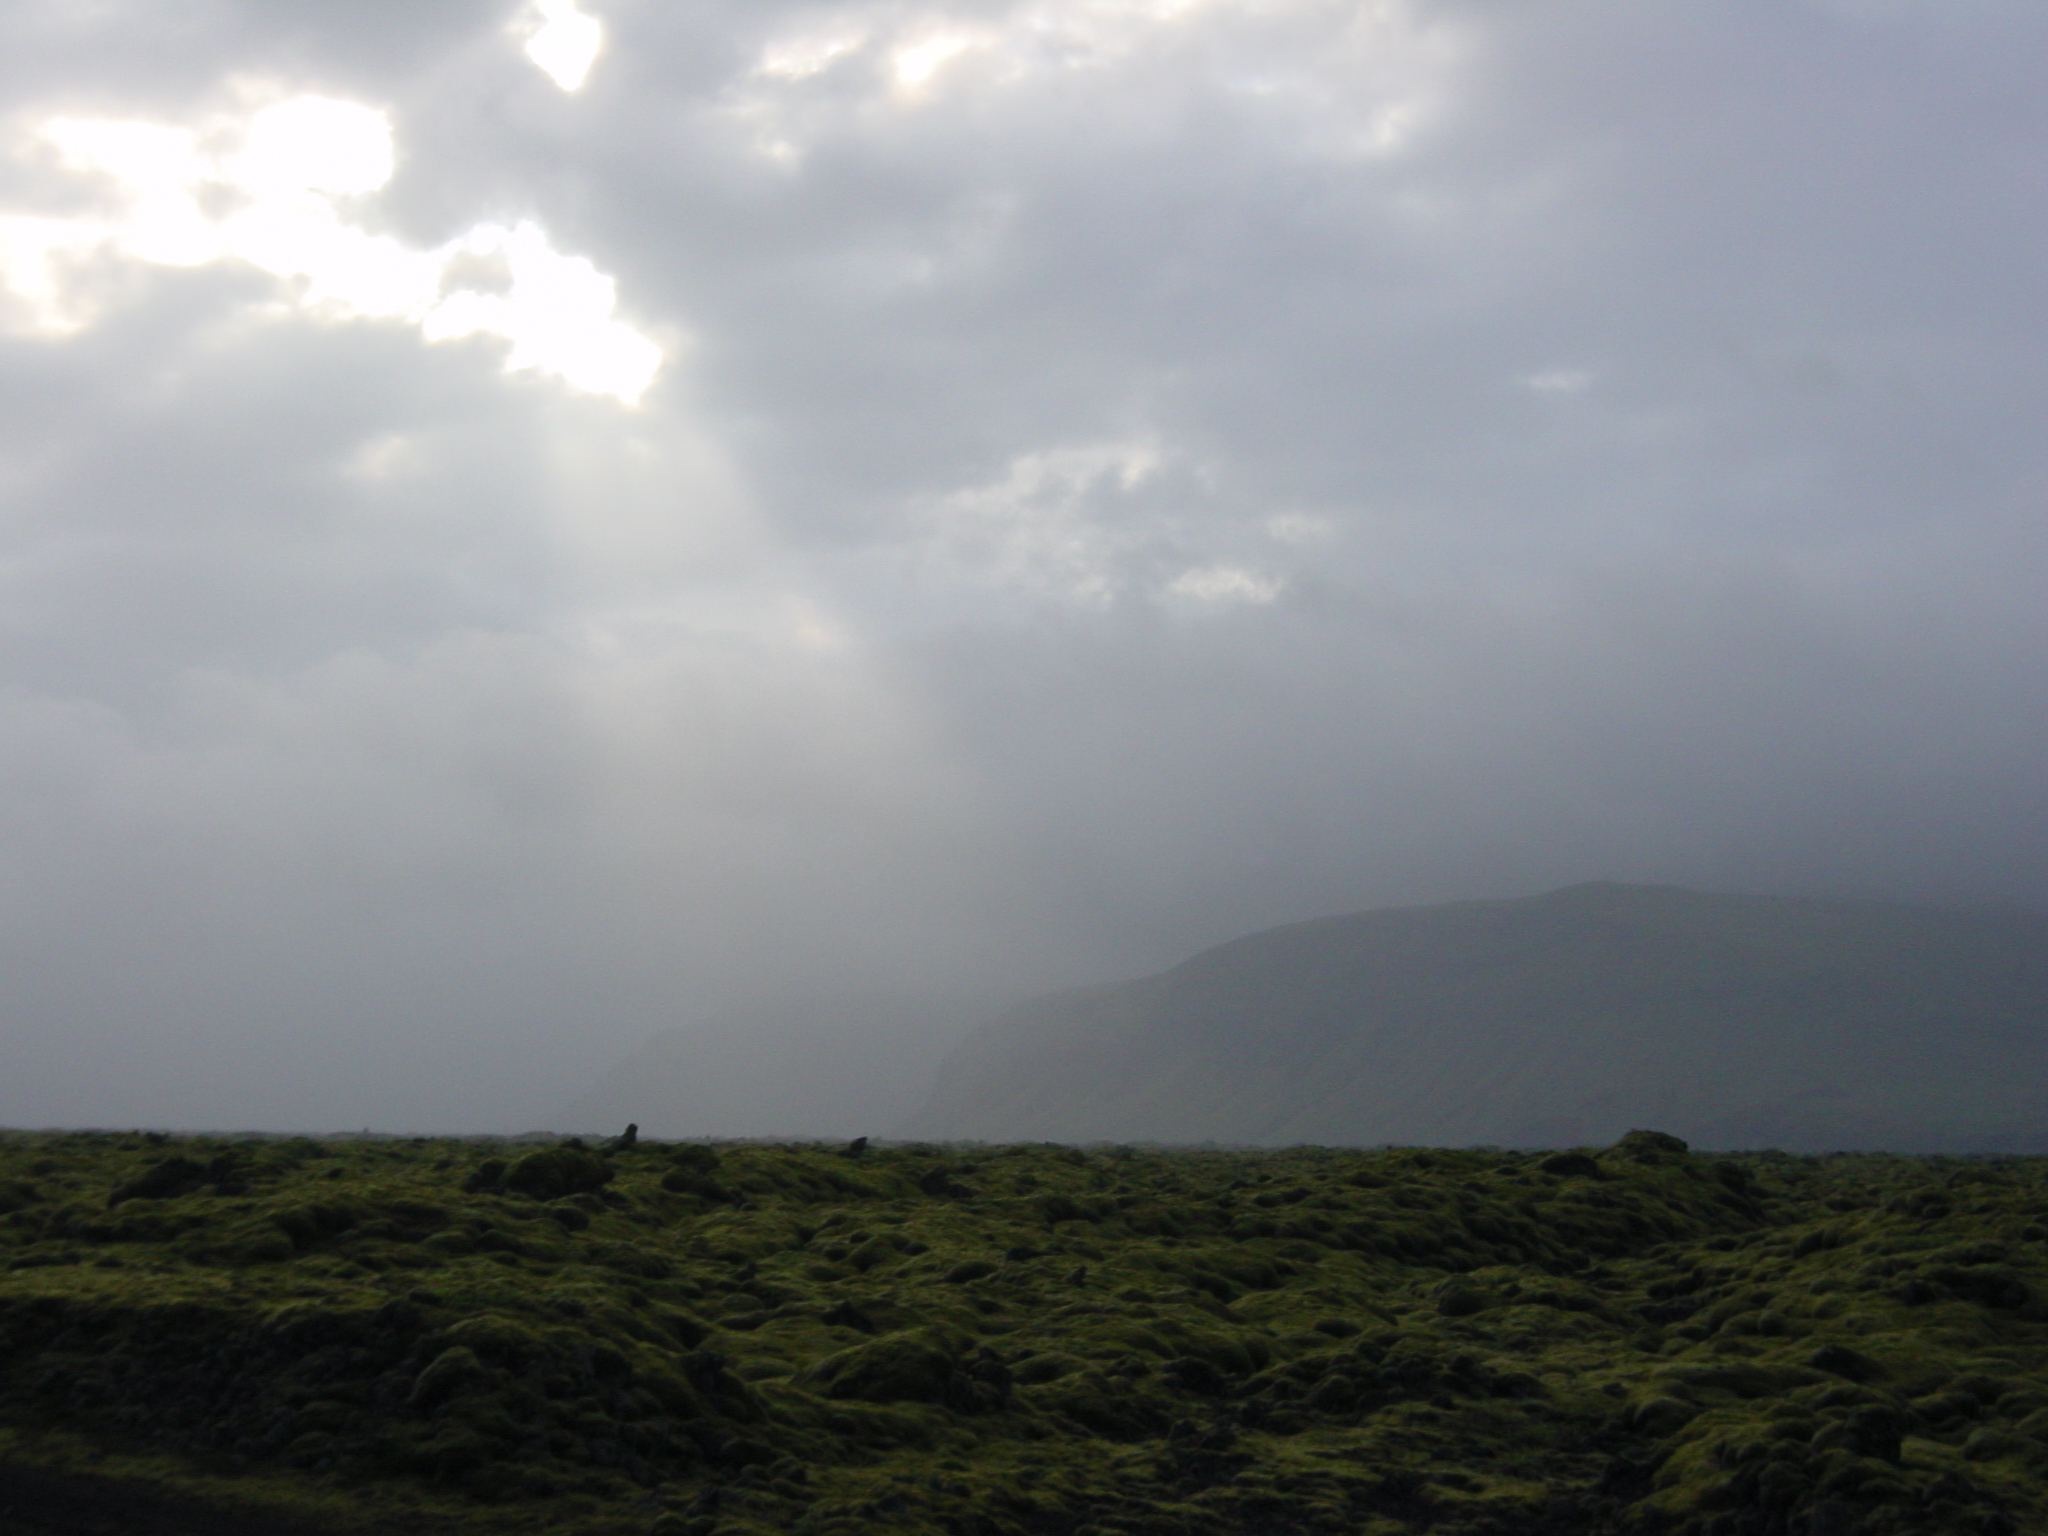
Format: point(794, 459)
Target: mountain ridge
point(1554, 1019)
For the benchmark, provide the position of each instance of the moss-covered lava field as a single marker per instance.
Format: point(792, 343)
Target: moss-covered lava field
point(272, 1336)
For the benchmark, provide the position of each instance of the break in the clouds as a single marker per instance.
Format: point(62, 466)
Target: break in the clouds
point(528, 525)
point(270, 188)
point(563, 41)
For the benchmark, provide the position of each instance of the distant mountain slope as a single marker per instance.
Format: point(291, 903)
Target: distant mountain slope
point(1558, 1019)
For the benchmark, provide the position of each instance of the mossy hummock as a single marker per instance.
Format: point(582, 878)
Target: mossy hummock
point(355, 1336)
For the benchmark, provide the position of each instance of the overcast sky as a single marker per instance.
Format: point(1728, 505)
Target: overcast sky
point(526, 526)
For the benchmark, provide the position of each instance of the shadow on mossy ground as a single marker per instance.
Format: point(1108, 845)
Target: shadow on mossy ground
point(359, 1336)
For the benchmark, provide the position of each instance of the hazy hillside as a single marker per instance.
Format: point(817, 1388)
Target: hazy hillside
point(1551, 1020)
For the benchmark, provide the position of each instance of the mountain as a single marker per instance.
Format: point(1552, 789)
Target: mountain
point(1562, 1019)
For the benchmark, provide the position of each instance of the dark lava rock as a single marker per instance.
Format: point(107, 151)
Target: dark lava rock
point(688, 1181)
point(1661, 1416)
point(989, 1372)
point(937, 1183)
point(899, 1367)
point(1336, 1393)
point(844, 1314)
point(557, 1171)
point(448, 1373)
point(1570, 1165)
point(571, 1218)
point(166, 1180)
point(1840, 1360)
point(1454, 1299)
point(1189, 1374)
point(1875, 1431)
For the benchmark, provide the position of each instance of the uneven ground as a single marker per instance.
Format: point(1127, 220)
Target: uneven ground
point(270, 1337)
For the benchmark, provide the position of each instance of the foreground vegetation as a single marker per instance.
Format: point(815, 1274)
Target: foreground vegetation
point(369, 1336)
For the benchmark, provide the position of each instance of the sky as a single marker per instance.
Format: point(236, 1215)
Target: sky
point(527, 526)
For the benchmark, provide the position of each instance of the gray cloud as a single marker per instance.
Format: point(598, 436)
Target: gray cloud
point(1120, 474)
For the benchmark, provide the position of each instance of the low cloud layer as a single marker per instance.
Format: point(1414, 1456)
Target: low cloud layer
point(743, 502)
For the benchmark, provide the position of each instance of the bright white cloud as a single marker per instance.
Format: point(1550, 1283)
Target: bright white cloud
point(278, 197)
point(312, 144)
point(557, 313)
point(916, 63)
point(564, 42)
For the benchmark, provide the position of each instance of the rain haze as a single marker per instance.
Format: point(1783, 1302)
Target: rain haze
point(526, 528)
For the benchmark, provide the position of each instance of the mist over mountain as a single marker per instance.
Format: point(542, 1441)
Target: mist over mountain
point(1732, 1021)
point(530, 524)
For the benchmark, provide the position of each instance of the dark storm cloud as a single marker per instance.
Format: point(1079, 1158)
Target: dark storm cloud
point(1120, 474)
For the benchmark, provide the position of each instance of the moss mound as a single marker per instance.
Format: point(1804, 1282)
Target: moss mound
point(365, 1336)
point(911, 1367)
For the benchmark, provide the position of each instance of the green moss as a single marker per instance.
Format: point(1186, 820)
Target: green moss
point(773, 1338)
point(917, 1366)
